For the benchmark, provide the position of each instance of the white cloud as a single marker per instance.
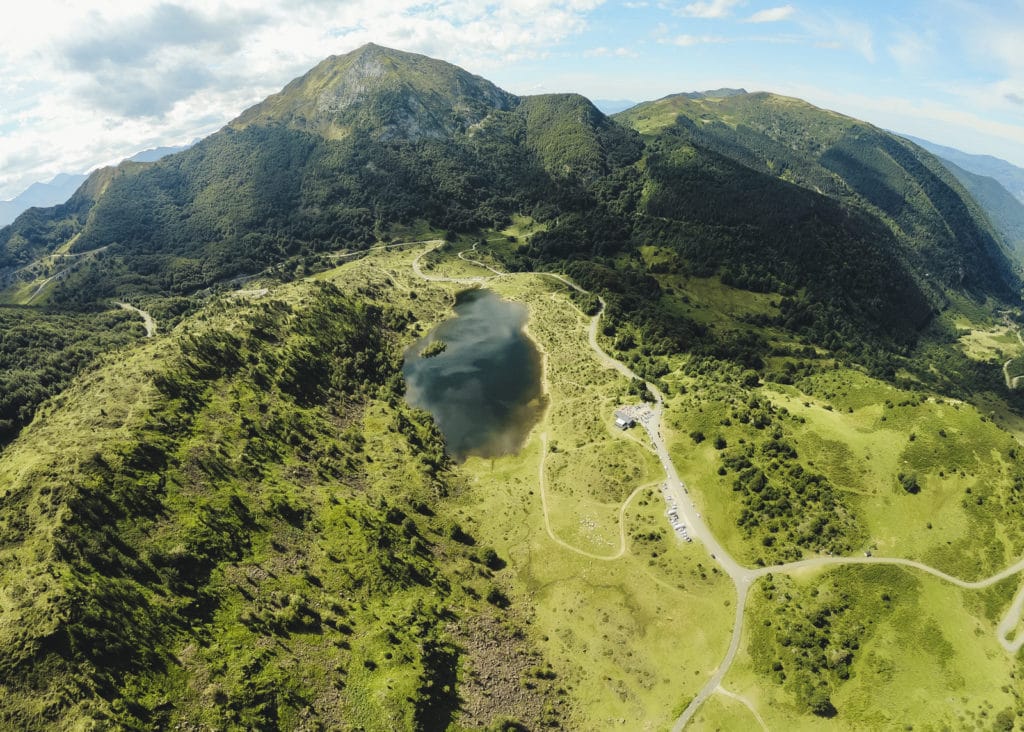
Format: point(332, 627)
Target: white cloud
point(771, 15)
point(912, 50)
point(82, 83)
point(688, 40)
point(709, 8)
point(992, 39)
point(832, 31)
point(1004, 44)
point(602, 51)
point(995, 39)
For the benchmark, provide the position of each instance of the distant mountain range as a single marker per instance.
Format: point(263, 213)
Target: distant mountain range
point(611, 106)
point(55, 191)
point(1009, 175)
point(59, 189)
point(997, 186)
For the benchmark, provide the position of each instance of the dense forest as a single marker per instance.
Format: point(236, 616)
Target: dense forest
point(42, 350)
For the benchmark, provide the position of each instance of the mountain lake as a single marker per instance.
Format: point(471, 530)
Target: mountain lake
point(479, 375)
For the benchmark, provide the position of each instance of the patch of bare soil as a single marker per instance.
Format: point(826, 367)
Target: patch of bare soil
point(505, 683)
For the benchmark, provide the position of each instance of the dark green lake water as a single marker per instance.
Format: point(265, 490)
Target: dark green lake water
point(484, 389)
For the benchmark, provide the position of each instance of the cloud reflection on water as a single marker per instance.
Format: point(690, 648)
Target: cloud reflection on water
point(484, 389)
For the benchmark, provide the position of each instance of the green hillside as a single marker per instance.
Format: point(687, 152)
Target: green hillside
point(940, 231)
point(238, 522)
point(232, 527)
point(1004, 211)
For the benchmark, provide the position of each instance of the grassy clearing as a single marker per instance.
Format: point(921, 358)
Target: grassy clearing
point(765, 501)
point(18, 293)
point(722, 714)
point(966, 467)
point(444, 262)
point(605, 470)
point(999, 342)
point(523, 227)
point(707, 300)
point(862, 435)
point(631, 638)
point(920, 653)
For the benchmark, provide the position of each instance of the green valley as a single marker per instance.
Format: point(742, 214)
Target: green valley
point(775, 477)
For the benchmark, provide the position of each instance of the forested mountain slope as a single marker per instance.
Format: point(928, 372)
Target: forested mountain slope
point(769, 192)
point(1005, 211)
point(940, 232)
point(1010, 176)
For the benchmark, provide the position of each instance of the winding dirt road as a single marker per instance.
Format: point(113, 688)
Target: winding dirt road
point(745, 702)
point(147, 319)
point(481, 265)
point(417, 268)
point(543, 481)
point(1012, 382)
point(42, 285)
point(742, 577)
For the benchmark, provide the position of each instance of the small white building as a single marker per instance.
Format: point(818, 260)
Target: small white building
point(624, 420)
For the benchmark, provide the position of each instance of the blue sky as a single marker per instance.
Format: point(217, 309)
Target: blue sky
point(87, 83)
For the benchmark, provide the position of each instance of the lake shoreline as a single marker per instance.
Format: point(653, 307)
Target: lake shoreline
point(485, 388)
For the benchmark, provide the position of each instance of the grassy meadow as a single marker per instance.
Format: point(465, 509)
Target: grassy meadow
point(903, 650)
point(544, 587)
point(856, 432)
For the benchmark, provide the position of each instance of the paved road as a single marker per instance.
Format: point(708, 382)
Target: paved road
point(741, 576)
